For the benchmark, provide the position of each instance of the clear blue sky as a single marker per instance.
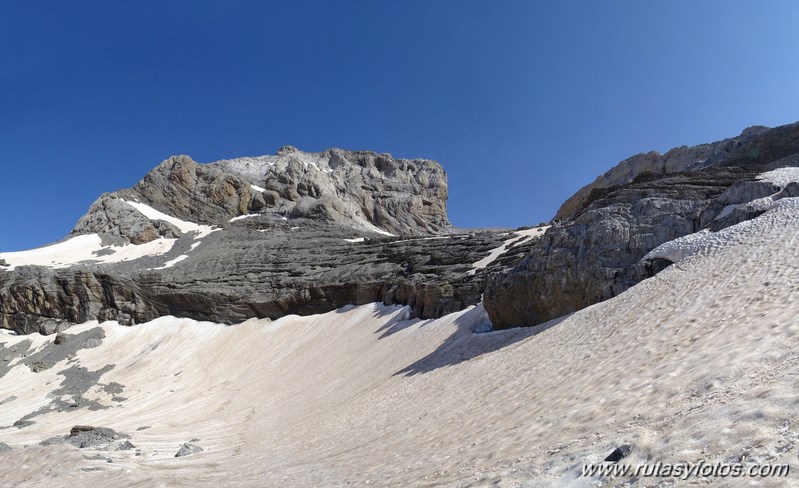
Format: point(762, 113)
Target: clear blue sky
point(522, 101)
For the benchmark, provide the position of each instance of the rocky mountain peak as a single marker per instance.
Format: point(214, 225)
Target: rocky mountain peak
point(265, 236)
point(363, 191)
point(754, 130)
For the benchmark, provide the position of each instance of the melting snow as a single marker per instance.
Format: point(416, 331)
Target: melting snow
point(368, 226)
point(760, 204)
point(700, 242)
point(781, 176)
point(705, 241)
point(90, 249)
point(184, 225)
point(173, 262)
point(84, 248)
point(526, 235)
point(242, 217)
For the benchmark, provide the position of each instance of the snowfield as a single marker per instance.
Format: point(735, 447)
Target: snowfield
point(89, 248)
point(699, 363)
point(82, 249)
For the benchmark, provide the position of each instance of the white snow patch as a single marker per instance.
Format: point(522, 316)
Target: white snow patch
point(425, 239)
point(356, 239)
point(316, 160)
point(514, 240)
point(530, 234)
point(781, 176)
point(84, 248)
point(680, 248)
point(258, 188)
point(90, 249)
point(173, 262)
point(368, 226)
point(183, 225)
point(704, 241)
point(180, 258)
point(242, 217)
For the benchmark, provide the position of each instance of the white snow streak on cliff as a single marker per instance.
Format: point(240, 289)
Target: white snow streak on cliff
point(183, 225)
point(518, 237)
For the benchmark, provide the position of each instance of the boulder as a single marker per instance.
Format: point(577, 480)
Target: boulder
point(188, 449)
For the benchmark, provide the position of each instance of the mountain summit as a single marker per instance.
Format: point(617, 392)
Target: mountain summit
point(366, 192)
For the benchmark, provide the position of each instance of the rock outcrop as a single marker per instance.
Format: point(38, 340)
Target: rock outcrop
point(756, 145)
point(87, 436)
point(595, 252)
point(596, 256)
point(361, 190)
point(294, 233)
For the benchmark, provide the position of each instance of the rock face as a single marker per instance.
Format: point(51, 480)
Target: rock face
point(756, 145)
point(595, 252)
point(240, 273)
point(596, 255)
point(294, 233)
point(362, 190)
point(400, 196)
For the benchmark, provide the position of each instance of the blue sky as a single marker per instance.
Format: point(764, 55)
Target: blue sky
point(523, 102)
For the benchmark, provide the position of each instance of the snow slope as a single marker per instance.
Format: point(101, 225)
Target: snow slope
point(696, 364)
point(89, 248)
point(81, 249)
